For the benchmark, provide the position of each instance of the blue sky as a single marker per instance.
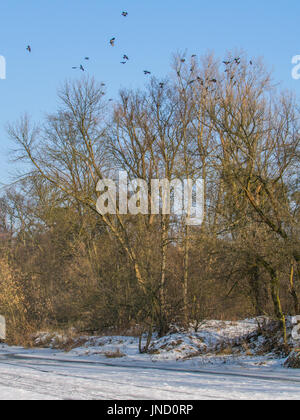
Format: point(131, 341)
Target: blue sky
point(63, 32)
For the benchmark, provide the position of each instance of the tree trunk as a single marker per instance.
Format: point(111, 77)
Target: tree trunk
point(293, 291)
point(164, 244)
point(186, 274)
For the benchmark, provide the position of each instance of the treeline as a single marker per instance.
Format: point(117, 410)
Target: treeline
point(63, 264)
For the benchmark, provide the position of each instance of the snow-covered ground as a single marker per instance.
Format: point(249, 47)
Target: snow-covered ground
point(46, 374)
point(181, 366)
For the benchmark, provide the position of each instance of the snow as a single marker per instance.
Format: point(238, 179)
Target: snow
point(181, 366)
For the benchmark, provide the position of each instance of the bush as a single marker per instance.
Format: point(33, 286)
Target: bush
point(12, 303)
point(293, 361)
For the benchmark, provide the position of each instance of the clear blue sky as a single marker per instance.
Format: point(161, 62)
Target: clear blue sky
point(63, 32)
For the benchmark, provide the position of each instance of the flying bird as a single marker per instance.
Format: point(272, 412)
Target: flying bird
point(226, 63)
point(161, 85)
point(86, 58)
point(123, 62)
point(146, 72)
point(28, 48)
point(74, 68)
point(125, 57)
point(112, 42)
point(125, 14)
point(81, 67)
point(183, 60)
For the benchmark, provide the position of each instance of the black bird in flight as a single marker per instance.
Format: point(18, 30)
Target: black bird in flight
point(28, 48)
point(251, 62)
point(125, 14)
point(161, 85)
point(112, 42)
point(237, 60)
point(146, 72)
point(226, 63)
point(87, 58)
point(194, 55)
point(81, 67)
point(123, 62)
point(74, 68)
point(125, 57)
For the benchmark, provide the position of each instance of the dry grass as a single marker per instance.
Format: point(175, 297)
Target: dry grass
point(226, 351)
point(117, 354)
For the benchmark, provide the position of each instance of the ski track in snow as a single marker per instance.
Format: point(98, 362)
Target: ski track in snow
point(182, 366)
point(27, 376)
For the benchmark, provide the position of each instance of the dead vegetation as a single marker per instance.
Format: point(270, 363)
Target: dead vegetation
point(114, 354)
point(63, 265)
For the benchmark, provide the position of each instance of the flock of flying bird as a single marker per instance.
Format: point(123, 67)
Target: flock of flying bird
point(111, 42)
point(228, 63)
